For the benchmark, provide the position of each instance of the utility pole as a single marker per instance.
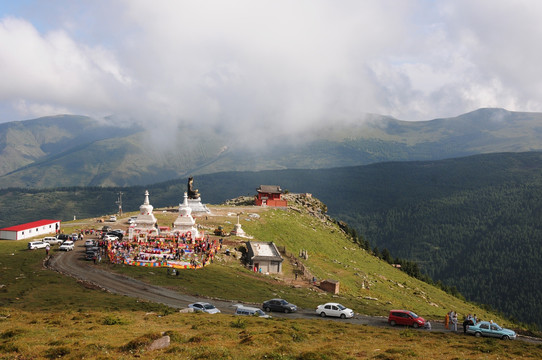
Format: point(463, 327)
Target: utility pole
point(119, 203)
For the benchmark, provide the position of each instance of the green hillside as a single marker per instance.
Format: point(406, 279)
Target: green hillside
point(73, 320)
point(79, 151)
point(472, 222)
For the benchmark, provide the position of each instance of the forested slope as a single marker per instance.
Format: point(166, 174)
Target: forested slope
point(471, 222)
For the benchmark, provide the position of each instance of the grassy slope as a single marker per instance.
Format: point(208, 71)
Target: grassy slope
point(46, 315)
point(331, 256)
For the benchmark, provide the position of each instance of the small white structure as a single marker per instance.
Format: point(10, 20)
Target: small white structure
point(238, 230)
point(31, 229)
point(145, 223)
point(185, 223)
point(264, 257)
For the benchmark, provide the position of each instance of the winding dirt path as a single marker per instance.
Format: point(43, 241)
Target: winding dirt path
point(72, 263)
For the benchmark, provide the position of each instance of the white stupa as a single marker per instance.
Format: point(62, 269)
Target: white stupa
point(145, 221)
point(238, 230)
point(185, 223)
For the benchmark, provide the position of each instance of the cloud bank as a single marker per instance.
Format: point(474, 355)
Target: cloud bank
point(256, 67)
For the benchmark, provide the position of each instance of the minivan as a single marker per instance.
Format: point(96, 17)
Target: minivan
point(405, 317)
point(250, 311)
point(36, 245)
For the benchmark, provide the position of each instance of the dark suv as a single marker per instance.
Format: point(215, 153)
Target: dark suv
point(279, 305)
point(405, 317)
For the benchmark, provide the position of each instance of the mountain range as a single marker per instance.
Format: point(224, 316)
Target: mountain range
point(457, 195)
point(68, 150)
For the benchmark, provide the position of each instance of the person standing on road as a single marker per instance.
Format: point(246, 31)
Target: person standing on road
point(454, 321)
point(447, 321)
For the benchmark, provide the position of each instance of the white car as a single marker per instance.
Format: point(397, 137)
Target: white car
point(37, 245)
point(204, 307)
point(52, 240)
point(110, 238)
point(334, 309)
point(251, 311)
point(66, 245)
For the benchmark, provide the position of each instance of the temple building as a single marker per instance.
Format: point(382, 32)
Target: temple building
point(185, 223)
point(270, 195)
point(264, 257)
point(145, 222)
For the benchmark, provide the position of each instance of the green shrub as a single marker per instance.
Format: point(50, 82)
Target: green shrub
point(113, 320)
point(238, 324)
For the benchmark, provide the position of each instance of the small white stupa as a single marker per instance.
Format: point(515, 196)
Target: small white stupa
point(145, 221)
point(238, 230)
point(185, 223)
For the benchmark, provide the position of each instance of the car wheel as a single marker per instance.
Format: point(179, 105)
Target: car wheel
point(323, 314)
point(392, 323)
point(343, 316)
point(478, 334)
point(268, 309)
point(286, 311)
point(415, 325)
point(506, 337)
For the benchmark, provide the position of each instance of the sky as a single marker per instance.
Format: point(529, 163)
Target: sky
point(265, 66)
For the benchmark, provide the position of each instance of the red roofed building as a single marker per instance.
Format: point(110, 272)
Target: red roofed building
point(270, 195)
point(31, 229)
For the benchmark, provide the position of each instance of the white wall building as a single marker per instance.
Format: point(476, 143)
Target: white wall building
point(29, 230)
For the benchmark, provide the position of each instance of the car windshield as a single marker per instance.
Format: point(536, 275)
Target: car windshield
point(260, 313)
point(284, 302)
point(208, 306)
point(413, 315)
point(341, 307)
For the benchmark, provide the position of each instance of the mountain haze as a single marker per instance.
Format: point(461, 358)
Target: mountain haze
point(79, 151)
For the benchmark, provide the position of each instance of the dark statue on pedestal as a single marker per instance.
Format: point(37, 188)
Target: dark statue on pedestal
point(192, 193)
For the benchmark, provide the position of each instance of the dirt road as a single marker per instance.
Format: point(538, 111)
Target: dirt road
point(72, 263)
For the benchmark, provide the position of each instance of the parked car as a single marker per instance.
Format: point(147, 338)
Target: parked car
point(91, 253)
point(52, 240)
point(63, 237)
point(118, 233)
point(334, 309)
point(90, 243)
point(37, 245)
point(106, 228)
point(112, 218)
point(108, 237)
point(204, 307)
point(490, 329)
point(66, 245)
point(405, 317)
point(250, 311)
point(74, 237)
point(279, 305)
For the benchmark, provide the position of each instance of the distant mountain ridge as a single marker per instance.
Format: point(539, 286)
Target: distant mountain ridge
point(68, 150)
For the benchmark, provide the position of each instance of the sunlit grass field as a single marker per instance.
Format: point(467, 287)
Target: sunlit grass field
point(45, 315)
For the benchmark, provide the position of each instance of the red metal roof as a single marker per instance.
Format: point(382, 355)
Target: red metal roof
point(30, 225)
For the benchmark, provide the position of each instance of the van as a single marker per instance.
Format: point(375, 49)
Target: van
point(250, 311)
point(51, 240)
point(36, 245)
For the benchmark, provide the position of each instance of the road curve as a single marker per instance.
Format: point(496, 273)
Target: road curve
point(72, 263)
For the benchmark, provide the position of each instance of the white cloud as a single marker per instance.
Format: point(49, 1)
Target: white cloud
point(245, 66)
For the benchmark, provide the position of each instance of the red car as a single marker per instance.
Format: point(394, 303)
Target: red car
point(405, 317)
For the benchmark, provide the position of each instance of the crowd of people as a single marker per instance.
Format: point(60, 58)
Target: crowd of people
point(177, 251)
